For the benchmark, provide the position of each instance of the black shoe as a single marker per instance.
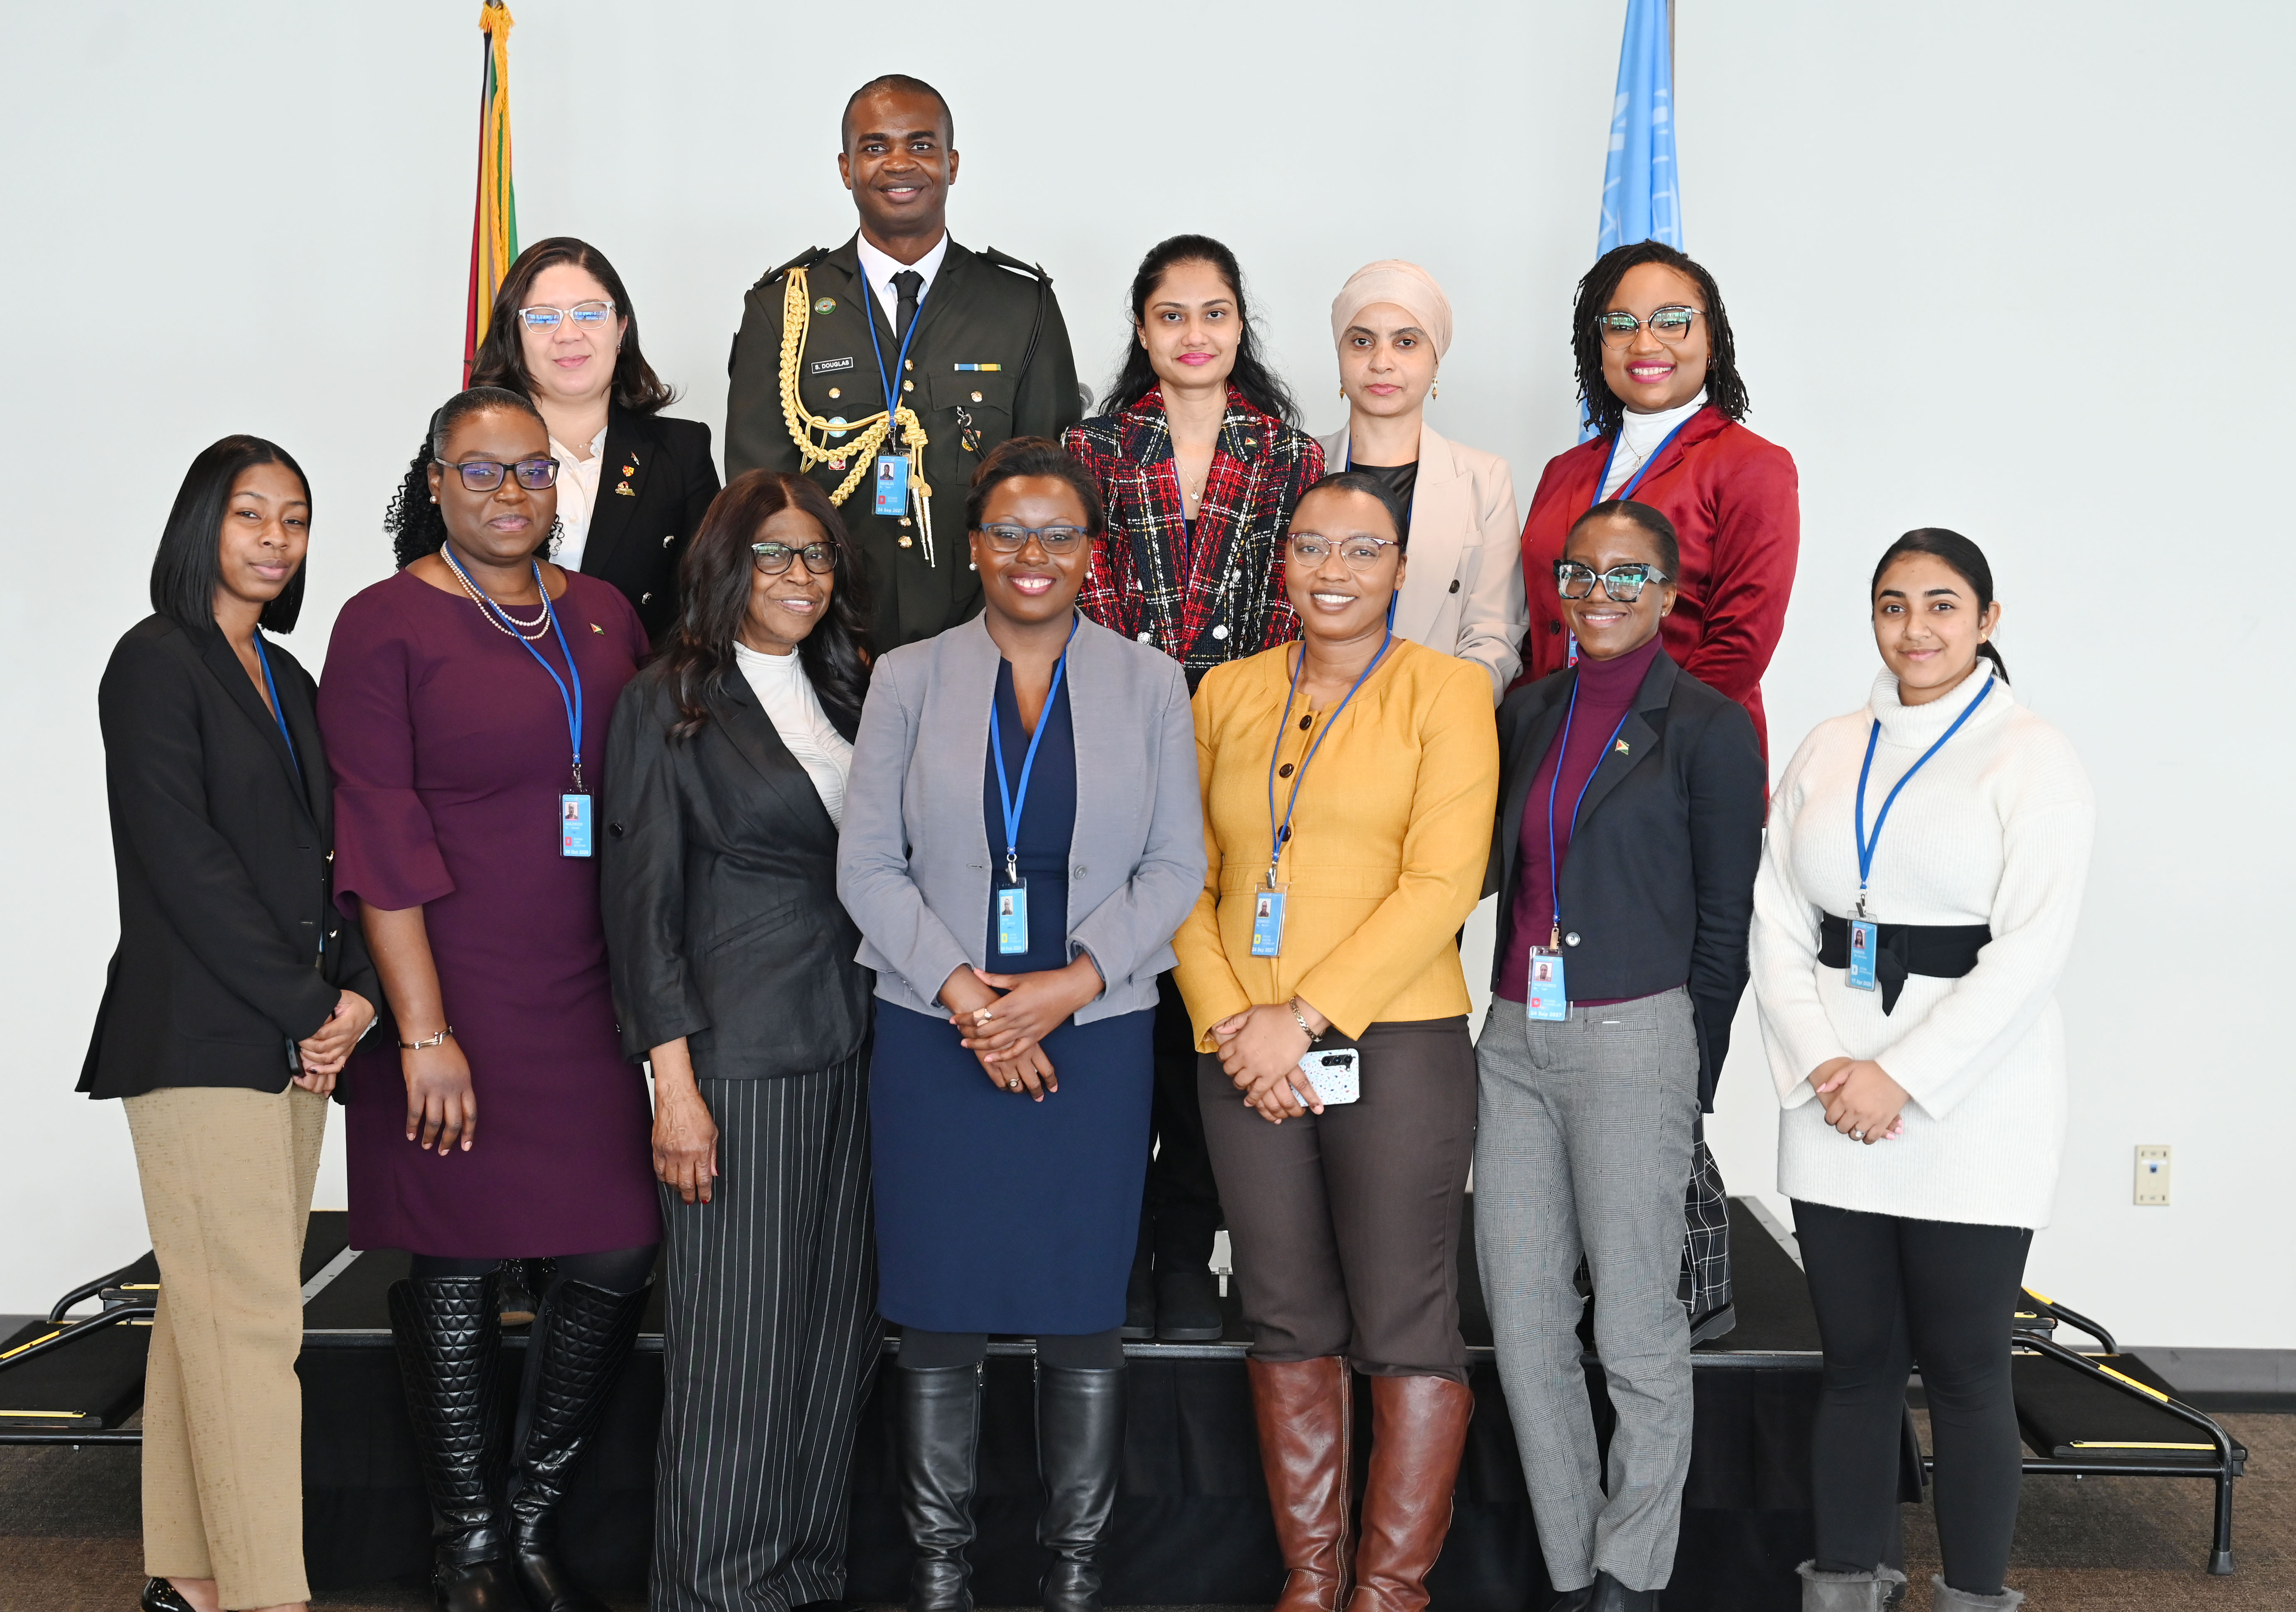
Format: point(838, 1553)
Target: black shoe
point(937, 1431)
point(1080, 1452)
point(582, 1336)
point(1187, 1305)
point(1139, 1299)
point(448, 1334)
point(161, 1596)
point(1609, 1595)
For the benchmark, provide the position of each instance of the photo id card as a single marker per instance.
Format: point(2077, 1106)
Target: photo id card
point(892, 484)
point(1012, 919)
point(1547, 998)
point(1267, 922)
point(574, 825)
point(1865, 940)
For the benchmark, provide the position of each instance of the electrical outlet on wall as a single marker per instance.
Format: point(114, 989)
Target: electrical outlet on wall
point(2153, 1174)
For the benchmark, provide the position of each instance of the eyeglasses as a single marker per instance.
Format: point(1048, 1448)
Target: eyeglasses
point(774, 557)
point(1052, 539)
point(1361, 554)
point(1623, 583)
point(485, 475)
point(1617, 327)
point(585, 315)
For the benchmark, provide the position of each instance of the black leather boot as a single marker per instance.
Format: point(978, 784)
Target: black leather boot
point(1079, 1454)
point(582, 1336)
point(448, 1334)
point(937, 1418)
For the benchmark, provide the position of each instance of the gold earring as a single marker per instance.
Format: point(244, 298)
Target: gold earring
point(1343, 391)
point(1435, 390)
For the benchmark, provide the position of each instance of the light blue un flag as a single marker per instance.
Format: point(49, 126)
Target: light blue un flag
point(1640, 200)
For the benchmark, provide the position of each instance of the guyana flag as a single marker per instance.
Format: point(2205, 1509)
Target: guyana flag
point(494, 228)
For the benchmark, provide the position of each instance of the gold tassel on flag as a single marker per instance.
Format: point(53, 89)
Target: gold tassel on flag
point(494, 229)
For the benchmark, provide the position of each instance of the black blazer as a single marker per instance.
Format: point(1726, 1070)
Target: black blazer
point(230, 946)
point(654, 486)
point(1658, 885)
point(720, 893)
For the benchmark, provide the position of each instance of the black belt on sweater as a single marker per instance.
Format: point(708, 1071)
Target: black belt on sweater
point(1942, 951)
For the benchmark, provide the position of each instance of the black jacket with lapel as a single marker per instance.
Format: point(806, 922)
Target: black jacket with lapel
point(230, 946)
point(720, 893)
point(1658, 885)
point(653, 487)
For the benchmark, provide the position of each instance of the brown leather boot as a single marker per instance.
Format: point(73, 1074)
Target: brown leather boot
point(1418, 1433)
point(1302, 1408)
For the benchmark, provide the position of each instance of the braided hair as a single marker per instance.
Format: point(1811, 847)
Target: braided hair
point(1724, 389)
point(416, 524)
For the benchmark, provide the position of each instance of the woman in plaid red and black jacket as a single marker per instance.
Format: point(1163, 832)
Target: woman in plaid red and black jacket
point(1200, 467)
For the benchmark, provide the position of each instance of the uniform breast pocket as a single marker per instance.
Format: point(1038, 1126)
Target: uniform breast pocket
point(975, 406)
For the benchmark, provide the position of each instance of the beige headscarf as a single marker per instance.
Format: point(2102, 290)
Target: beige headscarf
point(1407, 286)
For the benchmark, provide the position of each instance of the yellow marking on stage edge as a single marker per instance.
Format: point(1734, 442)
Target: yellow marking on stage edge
point(2142, 1388)
point(2123, 1443)
point(35, 1344)
point(51, 1415)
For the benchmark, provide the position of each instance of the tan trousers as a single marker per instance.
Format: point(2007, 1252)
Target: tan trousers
point(227, 1178)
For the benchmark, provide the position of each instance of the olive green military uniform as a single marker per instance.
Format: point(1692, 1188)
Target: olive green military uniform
point(989, 360)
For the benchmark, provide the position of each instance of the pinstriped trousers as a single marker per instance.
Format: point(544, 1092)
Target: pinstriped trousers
point(769, 1337)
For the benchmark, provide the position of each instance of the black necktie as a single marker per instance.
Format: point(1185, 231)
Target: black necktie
point(909, 284)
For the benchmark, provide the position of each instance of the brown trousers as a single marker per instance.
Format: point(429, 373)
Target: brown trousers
point(227, 1177)
point(1345, 1226)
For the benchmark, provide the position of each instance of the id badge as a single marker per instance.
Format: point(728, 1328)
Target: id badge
point(1865, 940)
point(1546, 999)
point(1012, 919)
point(893, 483)
point(574, 825)
point(1267, 922)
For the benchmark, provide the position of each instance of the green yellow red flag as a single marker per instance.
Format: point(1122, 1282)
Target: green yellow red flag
point(494, 229)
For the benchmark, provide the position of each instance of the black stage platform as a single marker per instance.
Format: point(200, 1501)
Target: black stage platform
point(1192, 1527)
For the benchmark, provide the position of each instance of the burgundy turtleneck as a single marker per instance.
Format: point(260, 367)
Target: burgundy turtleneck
point(1606, 693)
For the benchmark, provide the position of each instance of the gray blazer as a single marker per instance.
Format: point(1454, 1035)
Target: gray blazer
point(912, 862)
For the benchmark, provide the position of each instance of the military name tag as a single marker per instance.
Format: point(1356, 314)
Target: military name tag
point(822, 367)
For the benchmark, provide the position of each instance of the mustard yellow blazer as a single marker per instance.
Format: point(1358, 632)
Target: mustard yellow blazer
point(1388, 847)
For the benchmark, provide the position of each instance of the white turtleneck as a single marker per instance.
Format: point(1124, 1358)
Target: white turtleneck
point(1639, 436)
point(1994, 829)
point(783, 688)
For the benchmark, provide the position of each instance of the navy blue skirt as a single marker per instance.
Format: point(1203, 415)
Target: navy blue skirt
point(994, 1213)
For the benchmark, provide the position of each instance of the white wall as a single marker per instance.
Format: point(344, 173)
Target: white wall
point(1971, 251)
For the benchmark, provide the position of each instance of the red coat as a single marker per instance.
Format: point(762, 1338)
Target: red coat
point(1735, 503)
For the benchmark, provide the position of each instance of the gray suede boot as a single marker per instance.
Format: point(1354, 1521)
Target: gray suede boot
point(1847, 1591)
point(1949, 1600)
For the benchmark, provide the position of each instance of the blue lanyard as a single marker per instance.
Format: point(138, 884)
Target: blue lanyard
point(278, 711)
point(572, 703)
point(893, 398)
point(1015, 804)
point(1554, 781)
point(1865, 845)
point(1641, 470)
point(1280, 835)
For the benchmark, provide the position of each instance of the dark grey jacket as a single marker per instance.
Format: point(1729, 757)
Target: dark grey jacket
point(913, 864)
point(1658, 885)
point(719, 891)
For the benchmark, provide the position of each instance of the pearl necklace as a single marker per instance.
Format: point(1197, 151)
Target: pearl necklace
point(489, 607)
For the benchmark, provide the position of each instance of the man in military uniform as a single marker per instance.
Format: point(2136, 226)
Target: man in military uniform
point(970, 344)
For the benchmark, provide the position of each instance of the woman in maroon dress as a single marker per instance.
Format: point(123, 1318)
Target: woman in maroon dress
point(462, 699)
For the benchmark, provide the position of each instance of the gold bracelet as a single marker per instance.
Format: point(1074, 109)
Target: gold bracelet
point(439, 1040)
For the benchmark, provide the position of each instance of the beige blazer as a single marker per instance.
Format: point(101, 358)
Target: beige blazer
point(1462, 592)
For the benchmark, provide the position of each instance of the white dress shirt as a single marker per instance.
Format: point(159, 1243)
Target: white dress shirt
point(1639, 436)
point(783, 688)
point(577, 497)
point(879, 269)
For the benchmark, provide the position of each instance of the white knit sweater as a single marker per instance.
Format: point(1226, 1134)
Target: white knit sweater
point(1996, 829)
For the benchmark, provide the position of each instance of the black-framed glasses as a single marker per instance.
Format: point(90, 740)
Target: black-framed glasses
point(775, 558)
point(1052, 539)
point(1617, 327)
point(1623, 584)
point(485, 475)
point(585, 316)
point(1361, 554)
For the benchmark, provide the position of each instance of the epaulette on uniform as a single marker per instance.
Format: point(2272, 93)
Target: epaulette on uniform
point(805, 259)
point(1032, 271)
